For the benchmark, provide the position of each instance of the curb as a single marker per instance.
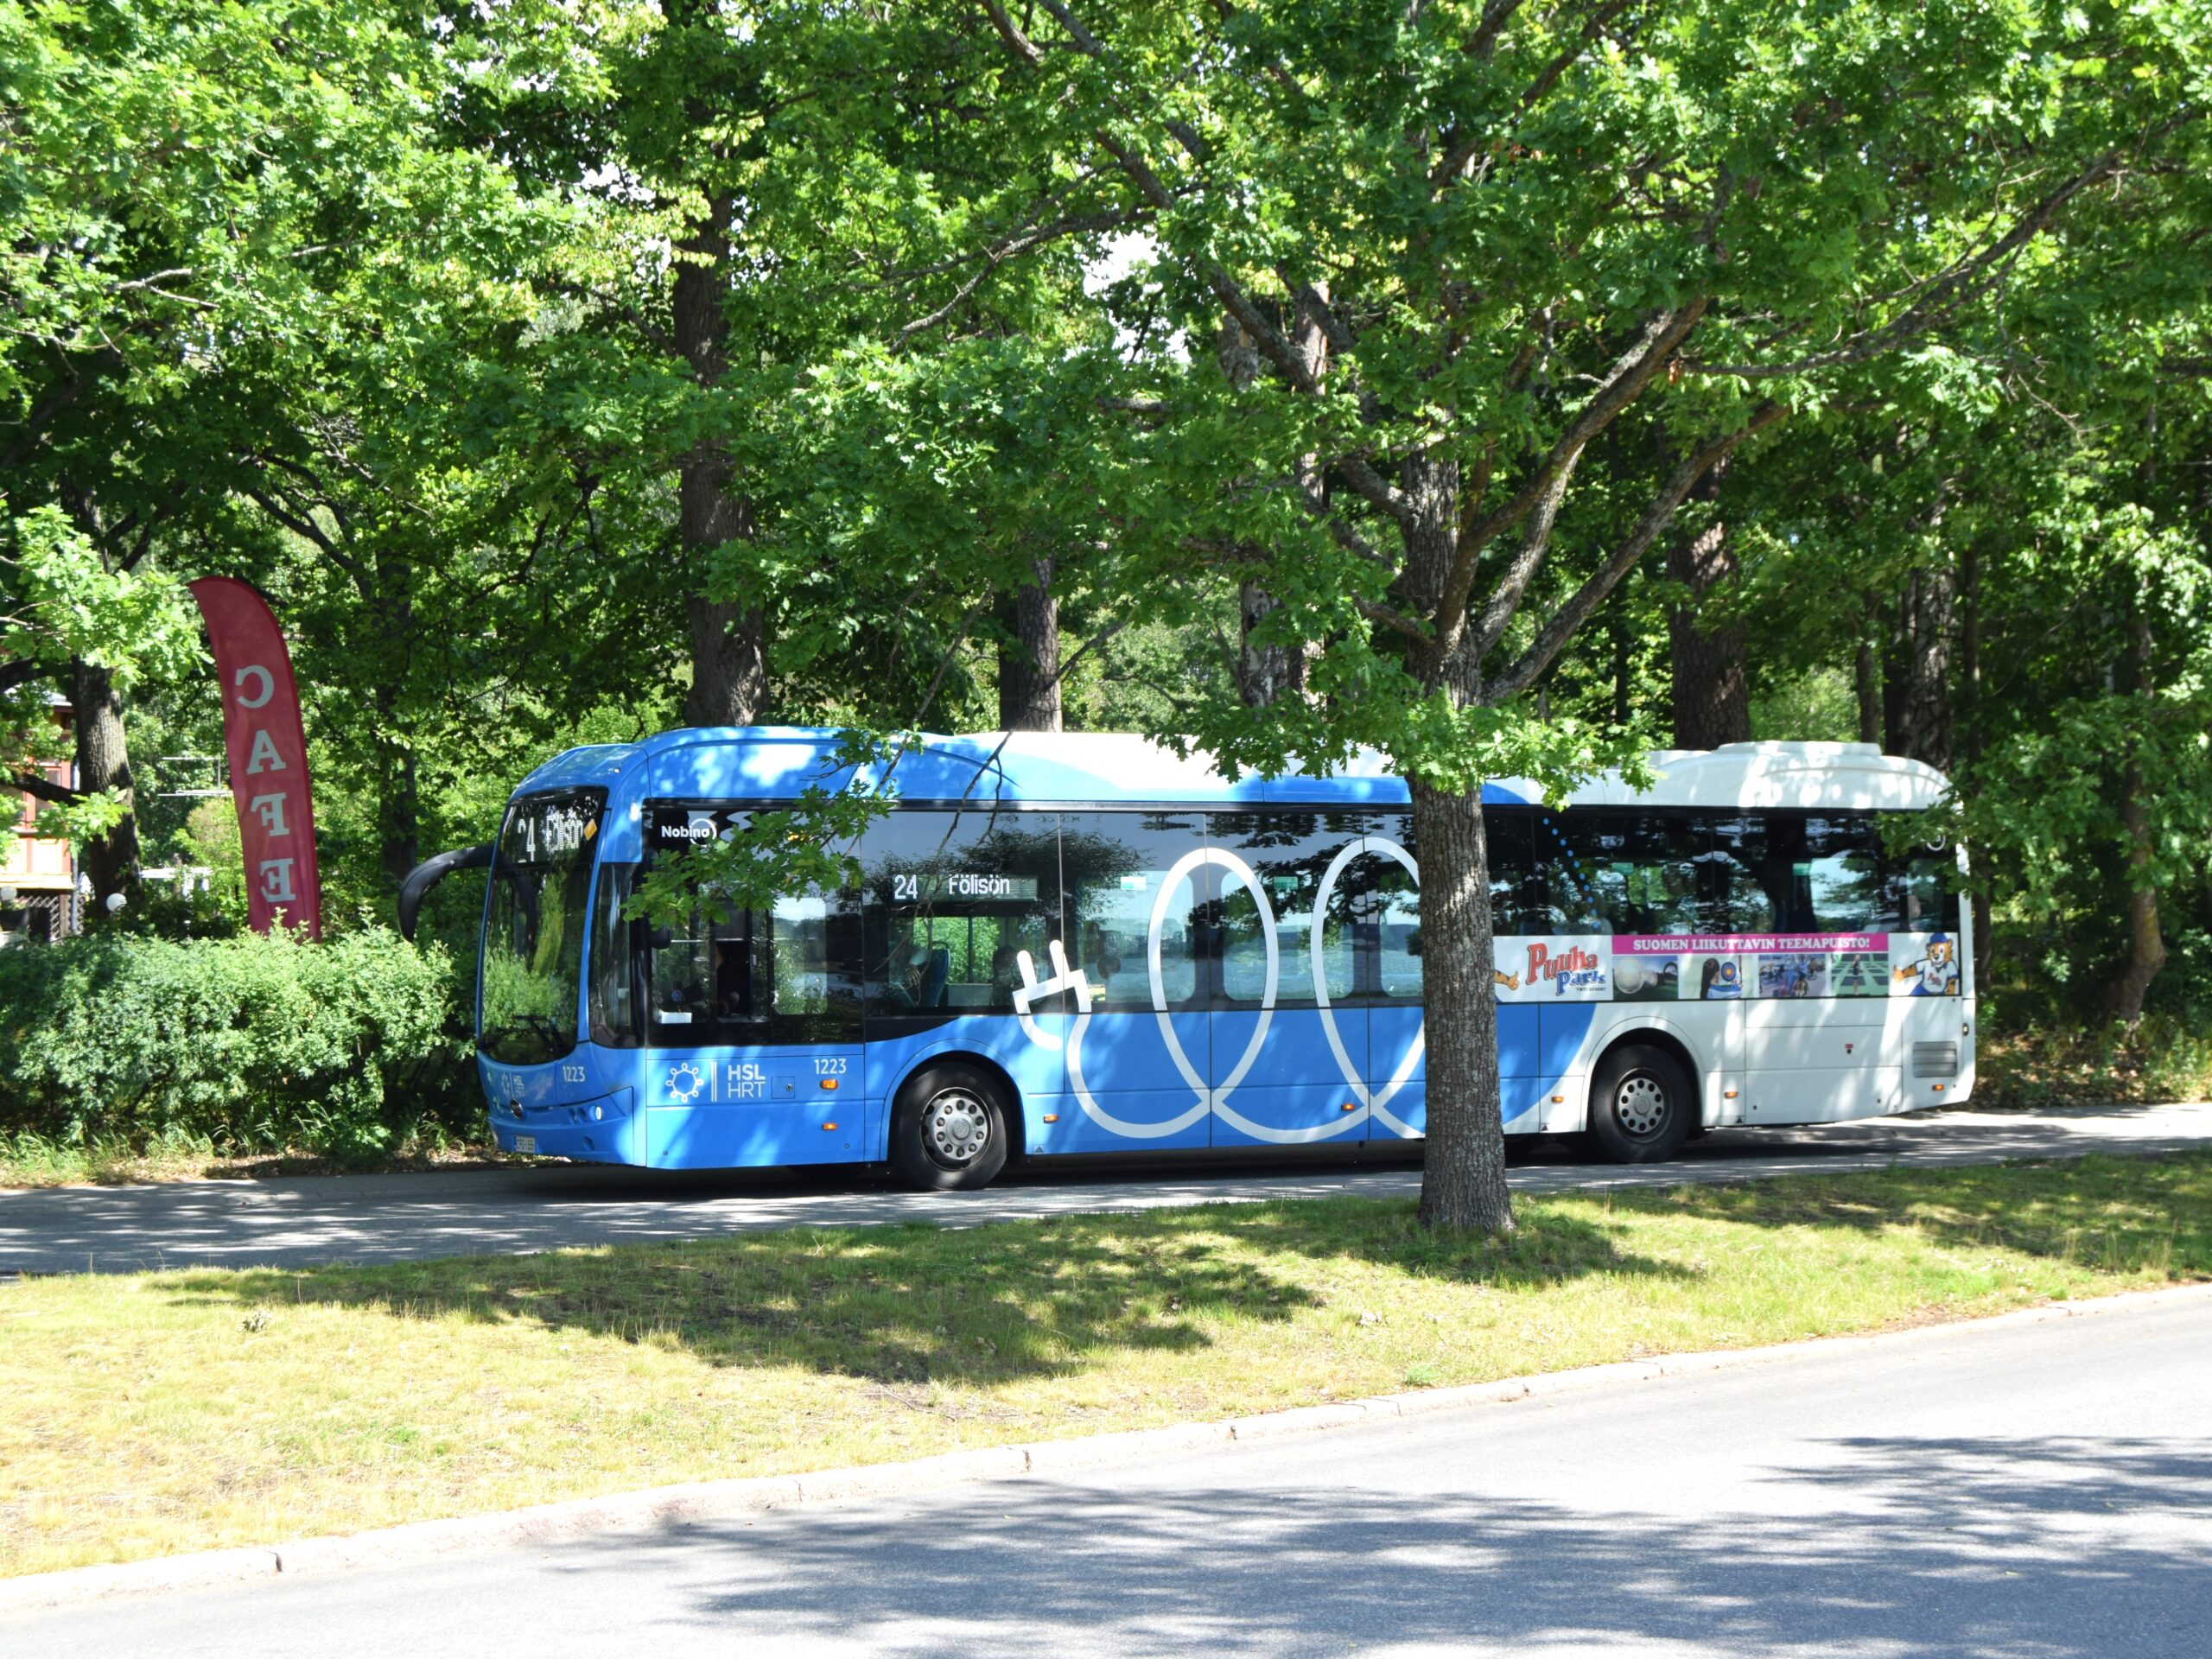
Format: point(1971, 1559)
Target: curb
point(715, 1500)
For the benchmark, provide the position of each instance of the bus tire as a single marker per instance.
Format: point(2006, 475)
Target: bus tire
point(1642, 1105)
point(948, 1130)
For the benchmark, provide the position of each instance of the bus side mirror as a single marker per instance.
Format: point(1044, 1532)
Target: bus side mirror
point(659, 939)
point(428, 875)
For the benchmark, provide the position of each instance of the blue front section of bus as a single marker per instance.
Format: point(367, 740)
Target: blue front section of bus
point(583, 1107)
point(729, 1107)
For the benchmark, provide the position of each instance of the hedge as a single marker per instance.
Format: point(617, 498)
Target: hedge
point(350, 1048)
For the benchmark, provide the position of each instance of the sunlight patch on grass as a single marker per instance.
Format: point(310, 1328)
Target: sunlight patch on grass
point(156, 1413)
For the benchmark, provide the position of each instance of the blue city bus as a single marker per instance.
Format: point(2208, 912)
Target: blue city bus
point(1083, 944)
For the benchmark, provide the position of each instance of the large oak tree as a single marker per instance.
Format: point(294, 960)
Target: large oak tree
point(1519, 228)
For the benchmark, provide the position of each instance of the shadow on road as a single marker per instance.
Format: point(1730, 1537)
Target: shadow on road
point(1900, 1547)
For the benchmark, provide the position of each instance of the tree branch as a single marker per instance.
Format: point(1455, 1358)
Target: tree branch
point(1085, 41)
point(999, 252)
point(1632, 371)
point(42, 788)
point(1396, 621)
point(1965, 281)
point(1578, 610)
point(1494, 19)
point(1505, 598)
point(1009, 31)
point(1280, 353)
point(1456, 160)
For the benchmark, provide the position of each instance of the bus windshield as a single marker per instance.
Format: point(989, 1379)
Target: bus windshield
point(533, 931)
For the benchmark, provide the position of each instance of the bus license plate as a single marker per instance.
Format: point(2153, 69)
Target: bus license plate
point(526, 1143)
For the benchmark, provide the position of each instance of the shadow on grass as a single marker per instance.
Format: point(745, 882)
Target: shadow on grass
point(2111, 1214)
point(903, 1306)
point(980, 1306)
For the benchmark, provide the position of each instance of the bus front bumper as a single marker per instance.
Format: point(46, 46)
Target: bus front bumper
point(596, 1131)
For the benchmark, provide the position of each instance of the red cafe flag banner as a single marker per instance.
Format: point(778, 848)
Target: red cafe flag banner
point(268, 754)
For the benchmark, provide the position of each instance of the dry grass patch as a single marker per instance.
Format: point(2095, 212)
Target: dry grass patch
point(156, 1412)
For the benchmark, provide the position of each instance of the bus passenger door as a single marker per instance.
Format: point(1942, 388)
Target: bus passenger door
point(956, 901)
point(753, 1028)
point(1285, 1073)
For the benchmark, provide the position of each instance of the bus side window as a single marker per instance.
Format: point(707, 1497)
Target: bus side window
point(1115, 865)
point(741, 976)
point(680, 987)
point(1917, 893)
point(1839, 877)
point(1516, 891)
point(1744, 880)
point(1289, 851)
point(1398, 937)
point(1573, 901)
point(1625, 872)
point(953, 900)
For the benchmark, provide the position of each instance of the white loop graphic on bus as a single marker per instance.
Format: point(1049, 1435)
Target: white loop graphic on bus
point(1215, 1098)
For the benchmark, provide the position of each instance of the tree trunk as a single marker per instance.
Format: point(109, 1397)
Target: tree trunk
point(2147, 944)
point(391, 600)
point(1462, 1170)
point(730, 639)
point(1970, 706)
point(1623, 666)
point(402, 814)
point(1267, 671)
point(110, 862)
point(729, 664)
point(1029, 660)
point(1713, 705)
point(1919, 691)
point(1869, 684)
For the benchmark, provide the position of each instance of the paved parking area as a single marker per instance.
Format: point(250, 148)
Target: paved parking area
point(399, 1217)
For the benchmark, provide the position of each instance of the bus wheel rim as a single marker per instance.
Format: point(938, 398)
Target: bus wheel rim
point(956, 1128)
point(1640, 1105)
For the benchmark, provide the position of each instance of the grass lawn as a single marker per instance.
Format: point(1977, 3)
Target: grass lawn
point(188, 1410)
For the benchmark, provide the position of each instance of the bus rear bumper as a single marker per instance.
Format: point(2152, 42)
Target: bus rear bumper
point(594, 1131)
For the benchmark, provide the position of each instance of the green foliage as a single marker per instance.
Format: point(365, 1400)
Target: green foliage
point(1807, 706)
point(807, 847)
point(64, 604)
point(348, 1048)
point(2062, 1062)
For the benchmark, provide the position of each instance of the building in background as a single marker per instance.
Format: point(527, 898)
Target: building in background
point(38, 875)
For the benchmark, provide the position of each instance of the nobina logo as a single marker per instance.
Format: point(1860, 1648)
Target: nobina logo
point(697, 826)
point(1573, 969)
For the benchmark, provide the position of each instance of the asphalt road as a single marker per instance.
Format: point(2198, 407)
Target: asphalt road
point(2016, 1491)
point(399, 1217)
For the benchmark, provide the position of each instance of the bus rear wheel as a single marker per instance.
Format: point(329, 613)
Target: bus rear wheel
point(949, 1130)
point(1640, 1106)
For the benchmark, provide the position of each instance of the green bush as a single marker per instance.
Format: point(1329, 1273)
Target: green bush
point(352, 1048)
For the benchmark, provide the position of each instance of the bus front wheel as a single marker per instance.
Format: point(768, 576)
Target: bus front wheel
point(949, 1130)
point(1640, 1106)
